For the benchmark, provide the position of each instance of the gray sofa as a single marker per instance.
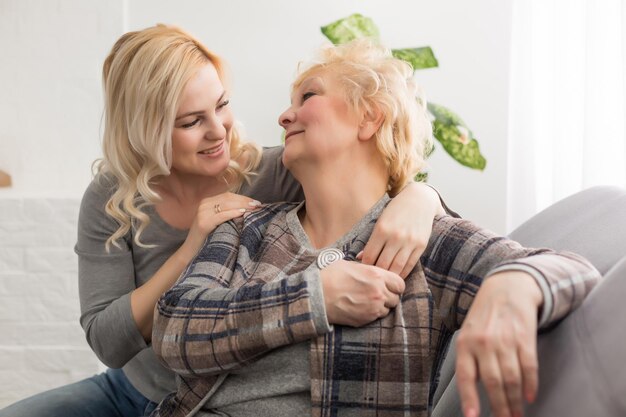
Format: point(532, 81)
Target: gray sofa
point(582, 361)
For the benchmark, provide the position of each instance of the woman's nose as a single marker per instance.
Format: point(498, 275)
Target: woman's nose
point(215, 129)
point(286, 118)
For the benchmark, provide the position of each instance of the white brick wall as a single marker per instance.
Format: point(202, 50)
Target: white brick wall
point(50, 114)
point(41, 344)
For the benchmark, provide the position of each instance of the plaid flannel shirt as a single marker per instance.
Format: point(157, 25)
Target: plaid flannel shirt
point(249, 290)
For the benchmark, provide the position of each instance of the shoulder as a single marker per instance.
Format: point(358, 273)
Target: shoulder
point(258, 220)
point(252, 230)
point(272, 181)
point(271, 157)
point(99, 191)
point(273, 152)
point(449, 232)
point(93, 221)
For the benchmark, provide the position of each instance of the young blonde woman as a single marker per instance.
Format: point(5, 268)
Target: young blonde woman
point(173, 160)
point(255, 326)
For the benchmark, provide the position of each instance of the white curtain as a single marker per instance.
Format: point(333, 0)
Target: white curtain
point(567, 127)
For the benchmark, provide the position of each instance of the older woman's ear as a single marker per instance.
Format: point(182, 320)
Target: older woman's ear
point(371, 121)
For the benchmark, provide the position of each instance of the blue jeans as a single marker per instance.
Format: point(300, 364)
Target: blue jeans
point(109, 394)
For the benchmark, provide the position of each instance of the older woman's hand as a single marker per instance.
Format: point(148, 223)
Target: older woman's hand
point(356, 294)
point(403, 229)
point(497, 345)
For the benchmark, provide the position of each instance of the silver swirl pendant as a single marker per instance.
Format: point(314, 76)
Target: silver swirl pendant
point(328, 256)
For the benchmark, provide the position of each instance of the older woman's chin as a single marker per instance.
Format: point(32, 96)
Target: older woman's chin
point(290, 156)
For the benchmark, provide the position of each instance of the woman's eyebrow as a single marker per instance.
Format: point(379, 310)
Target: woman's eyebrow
point(195, 112)
point(306, 84)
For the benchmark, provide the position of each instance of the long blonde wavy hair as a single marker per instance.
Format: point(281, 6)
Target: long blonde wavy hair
point(373, 80)
point(144, 76)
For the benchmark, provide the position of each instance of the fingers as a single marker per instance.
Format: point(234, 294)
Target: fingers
point(393, 282)
point(228, 201)
point(529, 366)
point(393, 250)
point(227, 215)
point(356, 294)
point(397, 259)
point(395, 285)
point(499, 370)
point(466, 376)
point(410, 263)
point(512, 381)
point(213, 211)
point(499, 335)
point(392, 299)
point(491, 377)
point(373, 248)
point(393, 256)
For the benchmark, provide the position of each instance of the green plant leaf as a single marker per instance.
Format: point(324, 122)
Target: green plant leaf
point(448, 128)
point(456, 138)
point(421, 177)
point(419, 58)
point(349, 28)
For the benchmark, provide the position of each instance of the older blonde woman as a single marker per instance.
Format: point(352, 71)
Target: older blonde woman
point(255, 326)
point(173, 157)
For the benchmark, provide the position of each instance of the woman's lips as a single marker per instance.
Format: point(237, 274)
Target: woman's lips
point(290, 134)
point(213, 151)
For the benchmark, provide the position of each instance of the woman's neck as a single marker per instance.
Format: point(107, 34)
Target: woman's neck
point(335, 203)
point(188, 189)
point(181, 195)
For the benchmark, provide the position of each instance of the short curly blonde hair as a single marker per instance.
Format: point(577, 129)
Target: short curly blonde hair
point(374, 81)
point(144, 76)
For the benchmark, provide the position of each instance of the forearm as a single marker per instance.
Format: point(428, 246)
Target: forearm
point(565, 279)
point(421, 196)
point(402, 231)
point(105, 286)
point(144, 299)
point(460, 255)
point(205, 331)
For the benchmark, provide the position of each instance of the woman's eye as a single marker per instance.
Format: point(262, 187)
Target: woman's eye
point(223, 104)
point(192, 124)
point(308, 95)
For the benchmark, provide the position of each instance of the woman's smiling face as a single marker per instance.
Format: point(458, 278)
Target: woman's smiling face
point(200, 140)
point(319, 121)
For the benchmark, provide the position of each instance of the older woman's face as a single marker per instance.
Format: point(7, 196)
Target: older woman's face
point(200, 140)
point(319, 123)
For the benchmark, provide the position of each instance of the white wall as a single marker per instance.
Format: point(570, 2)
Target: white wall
point(50, 111)
point(264, 40)
point(50, 116)
point(42, 344)
point(50, 99)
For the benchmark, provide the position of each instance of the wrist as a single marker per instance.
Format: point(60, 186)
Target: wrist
point(185, 253)
point(533, 289)
point(521, 283)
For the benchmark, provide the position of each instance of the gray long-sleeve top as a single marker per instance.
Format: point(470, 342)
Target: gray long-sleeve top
point(107, 279)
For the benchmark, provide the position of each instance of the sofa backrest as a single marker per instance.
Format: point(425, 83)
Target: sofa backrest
point(582, 371)
point(592, 223)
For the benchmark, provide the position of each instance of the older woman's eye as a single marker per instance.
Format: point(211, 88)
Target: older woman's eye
point(307, 95)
